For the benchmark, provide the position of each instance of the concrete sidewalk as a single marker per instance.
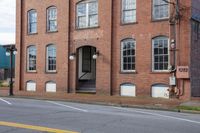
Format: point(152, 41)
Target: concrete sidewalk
point(138, 102)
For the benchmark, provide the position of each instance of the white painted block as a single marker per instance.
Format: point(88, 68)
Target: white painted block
point(128, 90)
point(160, 92)
point(50, 87)
point(31, 86)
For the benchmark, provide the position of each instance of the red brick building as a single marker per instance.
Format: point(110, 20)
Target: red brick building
point(109, 47)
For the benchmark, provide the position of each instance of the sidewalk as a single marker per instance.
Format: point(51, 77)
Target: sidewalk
point(137, 102)
point(140, 102)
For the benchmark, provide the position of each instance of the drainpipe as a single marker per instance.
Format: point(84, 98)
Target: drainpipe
point(69, 13)
point(20, 44)
point(112, 38)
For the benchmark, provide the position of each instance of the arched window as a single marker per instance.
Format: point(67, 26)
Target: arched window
point(51, 19)
point(31, 86)
point(31, 59)
point(128, 90)
point(160, 9)
point(128, 55)
point(160, 51)
point(128, 11)
point(50, 86)
point(87, 14)
point(32, 21)
point(51, 58)
point(160, 91)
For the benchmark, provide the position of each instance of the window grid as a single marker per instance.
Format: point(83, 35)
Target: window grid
point(32, 21)
point(128, 11)
point(51, 58)
point(52, 19)
point(31, 58)
point(128, 56)
point(160, 9)
point(160, 54)
point(87, 14)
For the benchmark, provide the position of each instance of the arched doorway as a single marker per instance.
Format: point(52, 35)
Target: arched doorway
point(86, 68)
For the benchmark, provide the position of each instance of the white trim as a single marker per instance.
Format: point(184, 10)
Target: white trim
point(153, 15)
point(47, 61)
point(28, 58)
point(87, 14)
point(152, 56)
point(121, 56)
point(122, 12)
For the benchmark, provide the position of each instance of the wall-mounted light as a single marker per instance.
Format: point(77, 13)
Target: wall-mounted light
point(95, 55)
point(72, 56)
point(173, 44)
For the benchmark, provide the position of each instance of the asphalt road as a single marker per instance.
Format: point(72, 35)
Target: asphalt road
point(36, 116)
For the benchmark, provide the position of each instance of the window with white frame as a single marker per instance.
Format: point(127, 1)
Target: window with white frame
point(87, 14)
point(128, 11)
point(160, 9)
point(31, 60)
point(160, 51)
point(128, 55)
point(51, 58)
point(32, 21)
point(52, 19)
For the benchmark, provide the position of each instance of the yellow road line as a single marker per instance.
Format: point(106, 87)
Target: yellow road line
point(31, 127)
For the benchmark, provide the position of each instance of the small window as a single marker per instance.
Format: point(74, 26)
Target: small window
point(32, 21)
point(87, 14)
point(31, 59)
point(160, 9)
point(30, 86)
point(51, 58)
point(128, 55)
point(128, 11)
point(160, 91)
point(128, 90)
point(160, 51)
point(52, 19)
point(50, 87)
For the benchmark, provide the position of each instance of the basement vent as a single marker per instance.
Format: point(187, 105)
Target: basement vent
point(128, 90)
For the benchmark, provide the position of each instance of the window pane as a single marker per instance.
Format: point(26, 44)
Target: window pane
point(93, 20)
point(161, 54)
point(82, 22)
point(160, 9)
point(93, 8)
point(128, 55)
point(51, 55)
point(31, 58)
point(81, 9)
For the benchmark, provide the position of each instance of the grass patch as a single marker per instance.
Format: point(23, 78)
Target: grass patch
point(193, 108)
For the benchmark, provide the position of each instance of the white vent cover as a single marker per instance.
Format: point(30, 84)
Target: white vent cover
point(50, 87)
point(160, 91)
point(128, 90)
point(31, 86)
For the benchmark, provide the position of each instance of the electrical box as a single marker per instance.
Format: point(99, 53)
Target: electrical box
point(172, 80)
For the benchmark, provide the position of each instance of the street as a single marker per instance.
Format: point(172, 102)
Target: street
point(37, 116)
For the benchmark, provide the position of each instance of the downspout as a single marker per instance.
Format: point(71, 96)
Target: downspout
point(20, 44)
point(112, 38)
point(69, 15)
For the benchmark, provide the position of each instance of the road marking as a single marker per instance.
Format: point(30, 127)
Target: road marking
point(63, 105)
point(166, 116)
point(31, 127)
point(5, 101)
